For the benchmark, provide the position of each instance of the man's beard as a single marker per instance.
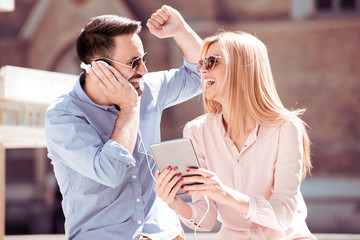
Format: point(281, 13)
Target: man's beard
point(136, 76)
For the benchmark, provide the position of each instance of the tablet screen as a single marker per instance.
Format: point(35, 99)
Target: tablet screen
point(175, 153)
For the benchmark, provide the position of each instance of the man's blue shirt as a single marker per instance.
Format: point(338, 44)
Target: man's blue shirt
point(107, 191)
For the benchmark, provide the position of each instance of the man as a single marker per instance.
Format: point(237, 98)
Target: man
point(99, 134)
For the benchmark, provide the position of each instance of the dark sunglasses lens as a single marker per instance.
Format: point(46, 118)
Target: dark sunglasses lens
point(137, 62)
point(145, 57)
point(210, 63)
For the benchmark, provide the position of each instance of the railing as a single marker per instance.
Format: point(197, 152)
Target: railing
point(24, 96)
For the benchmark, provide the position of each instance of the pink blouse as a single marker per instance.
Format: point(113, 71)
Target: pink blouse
point(268, 169)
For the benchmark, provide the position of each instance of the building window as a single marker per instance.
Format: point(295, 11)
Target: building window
point(323, 5)
point(338, 7)
point(348, 4)
point(305, 9)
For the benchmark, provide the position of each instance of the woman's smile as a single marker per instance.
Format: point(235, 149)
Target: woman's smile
point(209, 82)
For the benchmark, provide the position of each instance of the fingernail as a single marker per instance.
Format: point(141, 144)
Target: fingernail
point(182, 187)
point(175, 169)
point(178, 175)
point(187, 192)
point(187, 170)
point(181, 179)
point(168, 168)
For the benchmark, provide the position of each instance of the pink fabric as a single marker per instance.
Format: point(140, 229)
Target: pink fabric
point(268, 169)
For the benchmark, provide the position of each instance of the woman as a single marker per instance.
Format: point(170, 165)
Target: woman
point(252, 151)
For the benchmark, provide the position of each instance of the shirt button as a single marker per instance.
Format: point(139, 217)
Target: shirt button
point(134, 176)
point(138, 200)
point(139, 222)
point(253, 228)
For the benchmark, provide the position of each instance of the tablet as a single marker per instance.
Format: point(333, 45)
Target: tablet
point(175, 153)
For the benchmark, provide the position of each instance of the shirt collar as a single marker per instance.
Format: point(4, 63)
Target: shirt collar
point(252, 137)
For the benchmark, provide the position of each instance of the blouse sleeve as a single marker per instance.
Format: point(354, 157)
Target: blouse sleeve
point(280, 210)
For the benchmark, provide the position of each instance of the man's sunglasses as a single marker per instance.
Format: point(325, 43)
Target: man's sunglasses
point(209, 63)
point(135, 64)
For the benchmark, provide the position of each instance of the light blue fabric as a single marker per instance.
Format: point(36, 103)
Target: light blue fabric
point(107, 191)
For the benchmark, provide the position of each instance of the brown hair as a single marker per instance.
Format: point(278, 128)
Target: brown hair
point(97, 38)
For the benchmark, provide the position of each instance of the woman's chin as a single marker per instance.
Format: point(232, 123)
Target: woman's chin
point(209, 97)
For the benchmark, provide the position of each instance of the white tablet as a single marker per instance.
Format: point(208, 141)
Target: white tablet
point(175, 153)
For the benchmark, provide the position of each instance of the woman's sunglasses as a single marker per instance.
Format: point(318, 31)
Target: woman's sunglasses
point(135, 64)
point(209, 63)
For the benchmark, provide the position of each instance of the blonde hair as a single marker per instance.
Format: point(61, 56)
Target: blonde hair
point(250, 87)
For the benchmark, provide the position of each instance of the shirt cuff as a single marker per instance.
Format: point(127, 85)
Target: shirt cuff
point(116, 152)
point(192, 219)
point(191, 66)
point(252, 209)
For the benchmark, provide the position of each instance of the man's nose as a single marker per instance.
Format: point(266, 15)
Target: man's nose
point(142, 69)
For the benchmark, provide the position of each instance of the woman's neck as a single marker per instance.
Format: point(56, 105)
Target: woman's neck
point(239, 138)
point(250, 124)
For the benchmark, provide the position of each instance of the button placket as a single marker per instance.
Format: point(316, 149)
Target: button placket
point(139, 216)
point(254, 228)
point(237, 173)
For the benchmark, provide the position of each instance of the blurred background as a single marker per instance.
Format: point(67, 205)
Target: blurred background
point(314, 49)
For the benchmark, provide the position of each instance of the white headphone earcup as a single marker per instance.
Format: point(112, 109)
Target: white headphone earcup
point(85, 66)
point(103, 62)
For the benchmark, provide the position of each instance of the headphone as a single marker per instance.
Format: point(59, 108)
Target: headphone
point(87, 67)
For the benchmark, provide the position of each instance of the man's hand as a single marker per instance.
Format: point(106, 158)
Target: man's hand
point(168, 22)
point(165, 22)
point(119, 91)
point(114, 86)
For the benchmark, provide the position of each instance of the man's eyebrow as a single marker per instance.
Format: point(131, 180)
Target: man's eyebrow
point(132, 59)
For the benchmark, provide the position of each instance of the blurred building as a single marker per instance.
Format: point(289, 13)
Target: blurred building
point(313, 47)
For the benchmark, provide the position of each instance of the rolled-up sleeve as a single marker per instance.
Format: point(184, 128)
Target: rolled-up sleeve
point(176, 85)
point(199, 208)
point(279, 211)
point(72, 141)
